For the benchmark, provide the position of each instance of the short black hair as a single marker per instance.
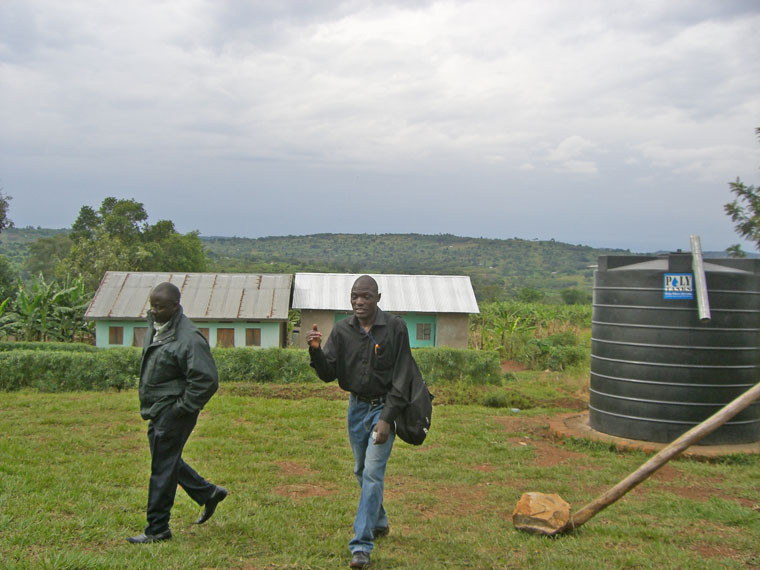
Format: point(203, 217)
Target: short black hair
point(170, 289)
point(367, 278)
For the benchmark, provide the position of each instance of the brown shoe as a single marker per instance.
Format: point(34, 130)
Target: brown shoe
point(379, 531)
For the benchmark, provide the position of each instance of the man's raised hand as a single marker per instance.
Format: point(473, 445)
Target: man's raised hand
point(314, 337)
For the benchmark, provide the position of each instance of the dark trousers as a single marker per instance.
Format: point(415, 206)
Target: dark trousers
point(167, 435)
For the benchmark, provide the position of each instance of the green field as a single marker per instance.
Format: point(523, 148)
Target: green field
point(74, 471)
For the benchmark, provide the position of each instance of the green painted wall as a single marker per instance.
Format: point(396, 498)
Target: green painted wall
point(270, 332)
point(101, 332)
point(411, 320)
point(414, 319)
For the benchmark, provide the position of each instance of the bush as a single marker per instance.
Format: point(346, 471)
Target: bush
point(66, 370)
point(458, 365)
point(62, 367)
point(28, 345)
point(556, 352)
point(502, 398)
point(575, 296)
point(263, 365)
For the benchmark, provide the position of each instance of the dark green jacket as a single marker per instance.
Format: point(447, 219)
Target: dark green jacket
point(176, 369)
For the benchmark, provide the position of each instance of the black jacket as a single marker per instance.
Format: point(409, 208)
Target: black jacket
point(370, 365)
point(176, 368)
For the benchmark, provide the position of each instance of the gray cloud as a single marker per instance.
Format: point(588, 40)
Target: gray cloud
point(469, 117)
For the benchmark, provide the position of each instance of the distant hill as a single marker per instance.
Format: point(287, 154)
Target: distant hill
point(498, 268)
point(14, 242)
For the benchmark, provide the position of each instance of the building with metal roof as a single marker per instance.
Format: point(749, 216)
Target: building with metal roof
point(436, 308)
point(230, 309)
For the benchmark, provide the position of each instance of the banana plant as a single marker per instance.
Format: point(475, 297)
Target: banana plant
point(49, 311)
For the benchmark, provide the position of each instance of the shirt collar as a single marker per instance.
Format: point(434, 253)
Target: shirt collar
point(168, 324)
point(380, 319)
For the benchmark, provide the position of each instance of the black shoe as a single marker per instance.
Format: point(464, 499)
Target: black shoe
point(360, 559)
point(147, 538)
point(219, 494)
point(379, 531)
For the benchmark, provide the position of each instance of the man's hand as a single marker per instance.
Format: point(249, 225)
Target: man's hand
point(313, 337)
point(383, 431)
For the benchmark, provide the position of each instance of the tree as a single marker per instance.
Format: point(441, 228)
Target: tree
point(4, 221)
point(744, 211)
point(7, 274)
point(46, 256)
point(575, 296)
point(7, 278)
point(118, 237)
point(531, 295)
point(45, 311)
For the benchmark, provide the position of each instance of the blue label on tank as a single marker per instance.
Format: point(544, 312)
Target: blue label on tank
point(679, 286)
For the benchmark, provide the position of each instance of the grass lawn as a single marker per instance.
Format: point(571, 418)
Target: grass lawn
point(74, 472)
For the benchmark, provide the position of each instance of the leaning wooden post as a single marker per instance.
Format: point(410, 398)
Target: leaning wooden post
point(663, 456)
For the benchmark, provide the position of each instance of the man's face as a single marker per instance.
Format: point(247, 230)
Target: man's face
point(162, 306)
point(364, 298)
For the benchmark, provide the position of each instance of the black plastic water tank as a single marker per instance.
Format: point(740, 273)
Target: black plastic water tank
point(656, 369)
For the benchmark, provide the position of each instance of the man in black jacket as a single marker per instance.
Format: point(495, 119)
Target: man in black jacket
point(369, 354)
point(177, 378)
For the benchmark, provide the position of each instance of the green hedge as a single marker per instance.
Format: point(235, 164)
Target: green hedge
point(458, 365)
point(284, 365)
point(118, 368)
point(556, 352)
point(25, 345)
point(65, 370)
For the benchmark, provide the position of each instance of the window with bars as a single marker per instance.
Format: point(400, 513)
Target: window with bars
point(424, 331)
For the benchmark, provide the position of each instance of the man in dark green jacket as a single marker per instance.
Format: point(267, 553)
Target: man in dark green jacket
point(177, 378)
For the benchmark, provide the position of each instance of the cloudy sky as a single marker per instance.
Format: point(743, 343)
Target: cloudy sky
point(603, 123)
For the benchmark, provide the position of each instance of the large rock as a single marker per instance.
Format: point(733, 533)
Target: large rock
point(541, 514)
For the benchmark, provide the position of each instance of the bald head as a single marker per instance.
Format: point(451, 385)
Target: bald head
point(367, 282)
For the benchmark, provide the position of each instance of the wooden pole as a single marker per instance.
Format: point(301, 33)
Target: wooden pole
point(663, 456)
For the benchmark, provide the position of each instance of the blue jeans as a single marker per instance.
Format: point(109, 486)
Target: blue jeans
point(369, 469)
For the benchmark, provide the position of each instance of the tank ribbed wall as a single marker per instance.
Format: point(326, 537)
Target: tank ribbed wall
point(656, 369)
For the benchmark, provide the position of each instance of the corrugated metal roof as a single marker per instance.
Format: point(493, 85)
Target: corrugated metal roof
point(399, 293)
point(205, 296)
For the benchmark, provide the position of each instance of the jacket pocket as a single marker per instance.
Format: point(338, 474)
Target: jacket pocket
point(174, 387)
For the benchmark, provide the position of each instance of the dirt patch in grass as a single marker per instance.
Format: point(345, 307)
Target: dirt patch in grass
point(512, 366)
point(297, 491)
point(300, 491)
point(294, 468)
point(574, 404)
point(551, 455)
point(534, 425)
point(457, 500)
point(702, 491)
point(722, 552)
point(549, 452)
point(463, 500)
point(698, 530)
